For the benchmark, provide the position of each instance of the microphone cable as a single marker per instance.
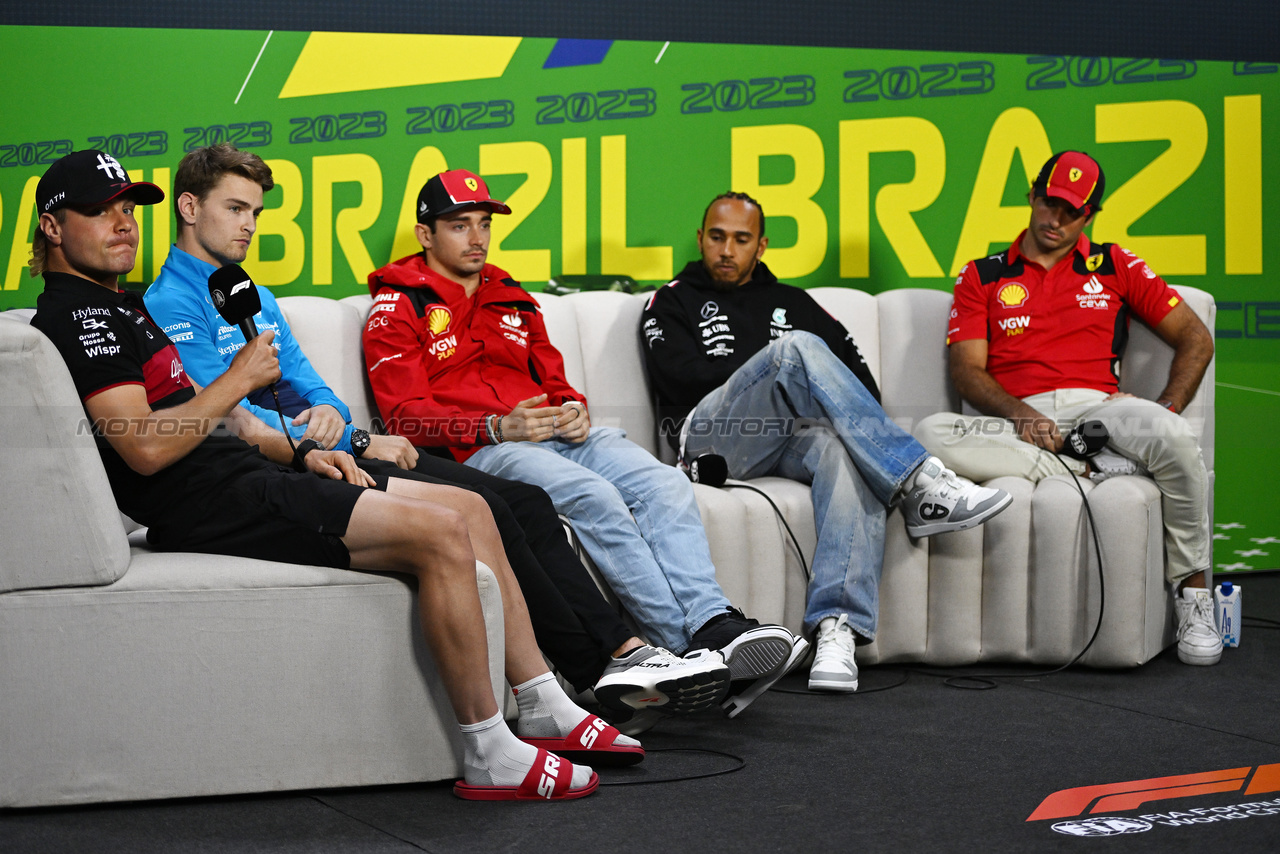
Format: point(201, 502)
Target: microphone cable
point(983, 681)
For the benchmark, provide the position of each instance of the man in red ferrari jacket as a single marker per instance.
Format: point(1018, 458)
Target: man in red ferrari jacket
point(458, 356)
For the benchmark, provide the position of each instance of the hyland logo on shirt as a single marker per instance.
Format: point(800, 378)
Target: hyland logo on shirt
point(1094, 295)
point(1015, 325)
point(1012, 295)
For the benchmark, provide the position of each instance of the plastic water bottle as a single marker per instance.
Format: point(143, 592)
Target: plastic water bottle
point(1226, 600)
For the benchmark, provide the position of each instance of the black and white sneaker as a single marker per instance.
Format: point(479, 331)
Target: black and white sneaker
point(940, 501)
point(655, 679)
point(756, 654)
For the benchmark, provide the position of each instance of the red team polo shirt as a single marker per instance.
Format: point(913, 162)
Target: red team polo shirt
point(1061, 328)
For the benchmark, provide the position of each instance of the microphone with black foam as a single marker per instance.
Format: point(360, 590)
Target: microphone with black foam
point(1086, 440)
point(235, 296)
point(710, 469)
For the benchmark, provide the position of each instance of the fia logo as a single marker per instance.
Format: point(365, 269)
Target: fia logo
point(1103, 826)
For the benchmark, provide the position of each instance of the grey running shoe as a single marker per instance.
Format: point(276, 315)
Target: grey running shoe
point(834, 668)
point(942, 501)
point(653, 678)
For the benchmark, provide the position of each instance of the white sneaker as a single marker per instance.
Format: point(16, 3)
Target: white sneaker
point(1107, 464)
point(652, 677)
point(833, 666)
point(1198, 640)
point(940, 501)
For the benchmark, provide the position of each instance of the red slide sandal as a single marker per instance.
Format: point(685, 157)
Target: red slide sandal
point(549, 779)
point(592, 742)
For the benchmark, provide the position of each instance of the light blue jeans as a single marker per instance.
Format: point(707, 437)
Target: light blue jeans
point(794, 410)
point(636, 517)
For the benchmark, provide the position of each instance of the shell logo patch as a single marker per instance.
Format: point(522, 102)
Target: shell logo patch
point(1074, 174)
point(1093, 262)
point(472, 184)
point(1173, 301)
point(438, 320)
point(1012, 296)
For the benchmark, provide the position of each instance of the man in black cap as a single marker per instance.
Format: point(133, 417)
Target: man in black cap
point(1035, 338)
point(199, 489)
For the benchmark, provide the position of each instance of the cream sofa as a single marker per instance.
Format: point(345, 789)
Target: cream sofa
point(1023, 588)
point(128, 674)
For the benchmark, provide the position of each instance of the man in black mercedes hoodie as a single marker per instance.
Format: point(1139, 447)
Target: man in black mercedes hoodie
point(760, 374)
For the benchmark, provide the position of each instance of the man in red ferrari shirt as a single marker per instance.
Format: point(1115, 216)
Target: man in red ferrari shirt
point(1035, 338)
point(458, 357)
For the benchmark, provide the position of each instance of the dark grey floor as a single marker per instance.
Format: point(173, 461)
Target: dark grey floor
point(919, 766)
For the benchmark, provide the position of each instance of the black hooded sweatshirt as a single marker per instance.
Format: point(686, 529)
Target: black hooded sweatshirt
point(695, 336)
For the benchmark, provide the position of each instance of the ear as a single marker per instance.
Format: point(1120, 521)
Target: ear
point(764, 242)
point(52, 229)
point(423, 233)
point(187, 204)
point(699, 237)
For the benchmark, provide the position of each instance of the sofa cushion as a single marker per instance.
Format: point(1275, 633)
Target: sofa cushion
point(58, 518)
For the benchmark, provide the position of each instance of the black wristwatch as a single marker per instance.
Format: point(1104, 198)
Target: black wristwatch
point(305, 447)
point(359, 442)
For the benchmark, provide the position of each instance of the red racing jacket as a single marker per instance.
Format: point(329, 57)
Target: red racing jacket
point(439, 361)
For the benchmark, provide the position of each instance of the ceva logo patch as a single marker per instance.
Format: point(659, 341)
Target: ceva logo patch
point(1113, 797)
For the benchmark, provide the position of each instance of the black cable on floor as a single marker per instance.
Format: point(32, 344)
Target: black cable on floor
point(906, 674)
point(682, 778)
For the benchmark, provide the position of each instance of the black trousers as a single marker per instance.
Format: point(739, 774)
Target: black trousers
point(575, 627)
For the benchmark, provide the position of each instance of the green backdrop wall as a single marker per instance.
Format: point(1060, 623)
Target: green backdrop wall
point(878, 169)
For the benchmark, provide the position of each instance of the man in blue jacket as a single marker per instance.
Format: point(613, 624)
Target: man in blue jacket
point(218, 195)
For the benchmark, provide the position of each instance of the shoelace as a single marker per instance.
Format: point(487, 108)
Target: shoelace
point(835, 644)
point(1201, 612)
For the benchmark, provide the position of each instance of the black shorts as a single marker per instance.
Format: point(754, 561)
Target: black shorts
point(280, 515)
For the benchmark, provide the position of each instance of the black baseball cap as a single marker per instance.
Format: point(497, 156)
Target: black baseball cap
point(90, 177)
point(453, 190)
point(1074, 177)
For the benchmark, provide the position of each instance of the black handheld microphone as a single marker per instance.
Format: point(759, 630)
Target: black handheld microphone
point(710, 469)
point(235, 296)
point(1086, 440)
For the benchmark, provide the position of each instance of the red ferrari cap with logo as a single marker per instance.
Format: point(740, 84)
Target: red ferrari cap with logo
point(90, 177)
point(1074, 177)
point(452, 190)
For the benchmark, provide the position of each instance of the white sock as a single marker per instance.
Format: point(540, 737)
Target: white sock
point(547, 712)
point(495, 757)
